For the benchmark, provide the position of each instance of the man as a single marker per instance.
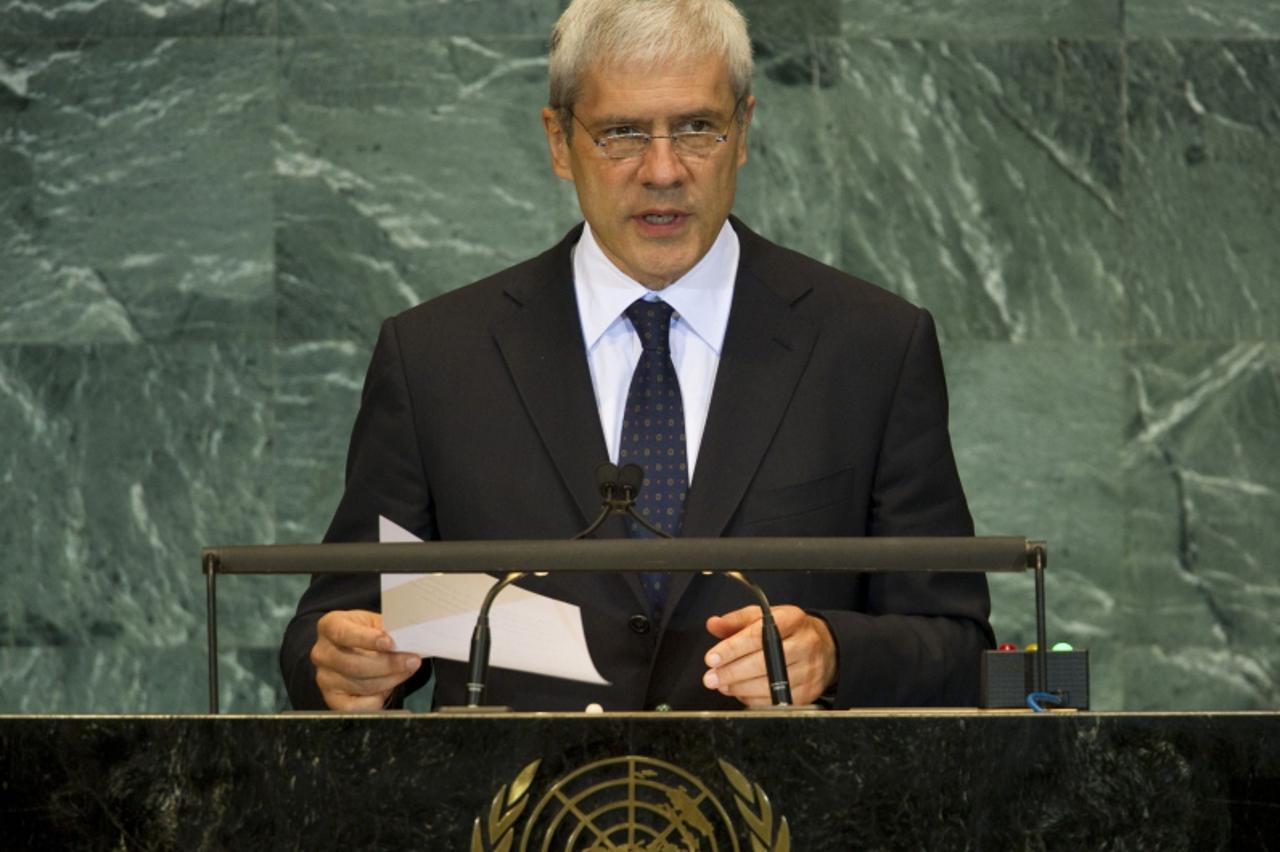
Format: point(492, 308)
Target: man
point(763, 393)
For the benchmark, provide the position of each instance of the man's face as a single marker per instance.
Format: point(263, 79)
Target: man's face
point(655, 215)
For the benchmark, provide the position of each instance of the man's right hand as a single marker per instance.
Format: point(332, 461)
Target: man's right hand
point(356, 664)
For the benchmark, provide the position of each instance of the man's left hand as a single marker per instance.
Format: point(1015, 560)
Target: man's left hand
point(736, 663)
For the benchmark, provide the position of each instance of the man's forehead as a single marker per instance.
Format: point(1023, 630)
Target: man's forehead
point(672, 86)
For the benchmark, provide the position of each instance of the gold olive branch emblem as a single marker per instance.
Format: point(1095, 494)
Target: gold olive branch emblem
point(505, 809)
point(497, 832)
point(754, 806)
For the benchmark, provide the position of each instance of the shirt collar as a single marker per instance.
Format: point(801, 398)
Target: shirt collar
point(701, 297)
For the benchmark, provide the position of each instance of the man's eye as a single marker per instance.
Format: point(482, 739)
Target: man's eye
point(625, 130)
point(695, 125)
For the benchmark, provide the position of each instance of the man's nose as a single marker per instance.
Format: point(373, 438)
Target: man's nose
point(660, 165)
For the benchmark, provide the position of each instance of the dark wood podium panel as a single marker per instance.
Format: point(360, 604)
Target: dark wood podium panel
point(805, 781)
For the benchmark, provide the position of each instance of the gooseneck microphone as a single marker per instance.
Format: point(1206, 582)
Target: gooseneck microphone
point(619, 488)
point(478, 659)
point(618, 491)
point(775, 662)
point(630, 479)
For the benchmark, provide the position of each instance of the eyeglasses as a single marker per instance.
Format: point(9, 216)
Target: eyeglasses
point(624, 143)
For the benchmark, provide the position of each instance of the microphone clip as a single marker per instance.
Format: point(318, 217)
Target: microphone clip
point(619, 487)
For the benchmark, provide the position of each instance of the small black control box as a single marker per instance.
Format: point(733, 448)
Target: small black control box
point(1009, 676)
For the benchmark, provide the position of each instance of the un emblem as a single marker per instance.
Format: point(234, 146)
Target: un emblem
point(629, 804)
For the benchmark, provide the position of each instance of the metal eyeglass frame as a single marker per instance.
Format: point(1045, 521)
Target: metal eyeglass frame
point(603, 144)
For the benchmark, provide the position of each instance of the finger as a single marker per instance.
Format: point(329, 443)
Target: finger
point(741, 670)
point(335, 685)
point(748, 691)
point(802, 651)
point(739, 644)
point(789, 619)
point(799, 634)
point(724, 626)
point(330, 680)
point(755, 691)
point(355, 629)
point(747, 641)
point(355, 663)
point(747, 638)
point(344, 703)
point(800, 668)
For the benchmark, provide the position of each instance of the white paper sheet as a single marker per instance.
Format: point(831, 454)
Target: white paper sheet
point(434, 614)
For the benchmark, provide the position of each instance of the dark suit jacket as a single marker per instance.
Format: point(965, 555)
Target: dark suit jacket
point(828, 418)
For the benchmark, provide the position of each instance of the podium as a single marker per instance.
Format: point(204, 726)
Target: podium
point(838, 781)
point(773, 780)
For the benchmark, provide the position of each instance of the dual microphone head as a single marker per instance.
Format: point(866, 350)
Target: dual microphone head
point(619, 484)
point(619, 487)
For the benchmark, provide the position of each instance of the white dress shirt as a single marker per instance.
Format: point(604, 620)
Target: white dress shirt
point(701, 299)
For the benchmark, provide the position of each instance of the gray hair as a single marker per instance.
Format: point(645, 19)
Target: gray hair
point(645, 32)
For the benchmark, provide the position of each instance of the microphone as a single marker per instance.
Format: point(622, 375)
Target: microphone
point(607, 483)
point(607, 479)
point(618, 490)
point(775, 661)
point(630, 480)
point(478, 660)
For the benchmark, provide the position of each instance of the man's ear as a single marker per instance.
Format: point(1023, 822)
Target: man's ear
point(557, 143)
point(748, 109)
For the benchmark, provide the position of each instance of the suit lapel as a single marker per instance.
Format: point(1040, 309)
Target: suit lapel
point(541, 343)
point(767, 345)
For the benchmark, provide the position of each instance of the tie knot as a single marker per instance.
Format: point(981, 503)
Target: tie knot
point(652, 321)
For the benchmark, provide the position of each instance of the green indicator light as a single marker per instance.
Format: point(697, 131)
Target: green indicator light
point(1063, 646)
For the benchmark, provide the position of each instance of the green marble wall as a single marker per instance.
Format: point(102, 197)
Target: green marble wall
point(206, 207)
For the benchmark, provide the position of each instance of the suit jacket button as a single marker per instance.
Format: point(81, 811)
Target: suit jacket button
point(638, 623)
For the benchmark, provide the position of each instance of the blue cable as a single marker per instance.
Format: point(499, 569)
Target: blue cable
point(1034, 699)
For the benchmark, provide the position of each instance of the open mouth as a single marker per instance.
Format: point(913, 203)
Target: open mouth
point(662, 222)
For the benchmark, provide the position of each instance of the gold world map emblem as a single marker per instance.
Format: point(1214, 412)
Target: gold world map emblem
point(629, 804)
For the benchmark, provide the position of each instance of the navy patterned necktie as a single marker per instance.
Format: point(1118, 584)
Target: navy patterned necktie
point(653, 435)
